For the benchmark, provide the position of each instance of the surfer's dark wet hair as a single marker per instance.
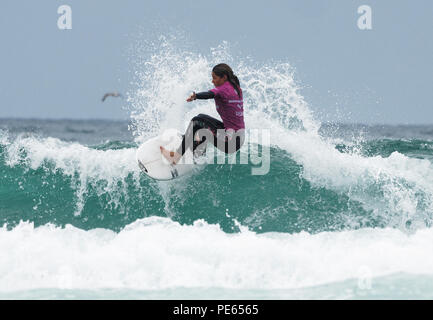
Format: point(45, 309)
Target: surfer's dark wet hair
point(223, 69)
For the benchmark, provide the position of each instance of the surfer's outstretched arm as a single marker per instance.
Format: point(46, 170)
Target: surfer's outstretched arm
point(201, 96)
point(205, 95)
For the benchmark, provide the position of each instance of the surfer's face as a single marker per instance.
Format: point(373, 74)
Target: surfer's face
point(218, 81)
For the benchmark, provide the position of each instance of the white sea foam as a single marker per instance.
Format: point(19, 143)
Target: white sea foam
point(157, 253)
point(85, 166)
point(4, 137)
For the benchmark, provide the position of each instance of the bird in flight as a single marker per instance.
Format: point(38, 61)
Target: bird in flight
point(111, 94)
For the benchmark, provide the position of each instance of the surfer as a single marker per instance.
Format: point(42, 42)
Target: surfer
point(228, 135)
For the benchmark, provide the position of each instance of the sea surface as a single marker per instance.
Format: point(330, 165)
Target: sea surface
point(344, 211)
point(79, 220)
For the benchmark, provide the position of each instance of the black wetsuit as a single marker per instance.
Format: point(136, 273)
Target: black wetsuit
point(215, 132)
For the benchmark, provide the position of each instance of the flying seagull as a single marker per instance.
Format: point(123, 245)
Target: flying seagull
point(111, 94)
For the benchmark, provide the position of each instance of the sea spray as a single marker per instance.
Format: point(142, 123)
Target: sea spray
point(157, 253)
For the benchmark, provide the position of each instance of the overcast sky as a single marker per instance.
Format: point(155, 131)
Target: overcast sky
point(382, 75)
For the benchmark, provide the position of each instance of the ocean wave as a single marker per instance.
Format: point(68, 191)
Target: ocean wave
point(158, 254)
point(314, 184)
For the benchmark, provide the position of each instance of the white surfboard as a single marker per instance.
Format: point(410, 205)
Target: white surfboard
point(152, 162)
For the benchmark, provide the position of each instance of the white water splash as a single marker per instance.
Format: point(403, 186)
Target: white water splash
point(157, 254)
point(397, 188)
point(85, 166)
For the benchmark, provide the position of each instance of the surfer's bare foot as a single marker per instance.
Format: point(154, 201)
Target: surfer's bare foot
point(171, 156)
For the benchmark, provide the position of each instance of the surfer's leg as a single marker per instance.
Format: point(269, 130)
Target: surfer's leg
point(194, 136)
point(211, 122)
point(188, 138)
point(202, 127)
point(229, 141)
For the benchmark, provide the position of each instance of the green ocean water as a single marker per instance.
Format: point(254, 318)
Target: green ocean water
point(280, 201)
point(217, 194)
point(346, 217)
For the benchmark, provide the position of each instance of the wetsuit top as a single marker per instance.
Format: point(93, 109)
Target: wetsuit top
point(228, 104)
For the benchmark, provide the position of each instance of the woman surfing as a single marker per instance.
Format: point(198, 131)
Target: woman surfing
point(228, 135)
